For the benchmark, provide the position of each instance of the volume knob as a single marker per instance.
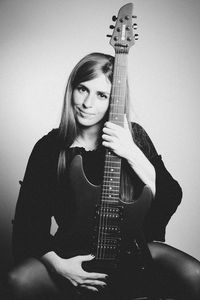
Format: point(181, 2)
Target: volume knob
point(136, 36)
point(135, 26)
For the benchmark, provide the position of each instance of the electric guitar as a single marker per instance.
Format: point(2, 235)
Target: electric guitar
point(113, 224)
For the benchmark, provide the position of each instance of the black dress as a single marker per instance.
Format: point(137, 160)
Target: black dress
point(42, 195)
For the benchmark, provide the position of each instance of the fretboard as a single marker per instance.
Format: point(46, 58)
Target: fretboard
point(109, 211)
point(112, 169)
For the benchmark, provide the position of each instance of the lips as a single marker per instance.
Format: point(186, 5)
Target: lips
point(83, 113)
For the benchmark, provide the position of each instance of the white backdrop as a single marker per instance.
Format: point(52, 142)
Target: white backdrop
point(41, 41)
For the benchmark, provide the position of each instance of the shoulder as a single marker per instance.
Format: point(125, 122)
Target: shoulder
point(140, 135)
point(143, 141)
point(51, 138)
point(43, 158)
point(137, 128)
point(47, 145)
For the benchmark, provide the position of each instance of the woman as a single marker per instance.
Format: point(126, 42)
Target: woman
point(43, 270)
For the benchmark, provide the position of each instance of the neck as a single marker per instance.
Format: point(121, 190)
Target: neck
point(88, 137)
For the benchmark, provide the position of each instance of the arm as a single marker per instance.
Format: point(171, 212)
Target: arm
point(120, 140)
point(71, 269)
point(168, 193)
point(31, 228)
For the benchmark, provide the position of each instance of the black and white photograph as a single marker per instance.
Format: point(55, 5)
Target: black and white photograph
point(100, 165)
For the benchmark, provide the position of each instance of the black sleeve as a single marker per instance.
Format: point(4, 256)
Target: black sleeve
point(31, 228)
point(168, 191)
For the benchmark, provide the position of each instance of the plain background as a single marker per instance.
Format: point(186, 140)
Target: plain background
point(42, 40)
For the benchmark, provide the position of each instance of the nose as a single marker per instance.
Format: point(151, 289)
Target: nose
point(88, 101)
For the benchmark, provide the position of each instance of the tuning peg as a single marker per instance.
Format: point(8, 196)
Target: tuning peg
point(112, 26)
point(108, 35)
point(135, 26)
point(136, 36)
point(114, 18)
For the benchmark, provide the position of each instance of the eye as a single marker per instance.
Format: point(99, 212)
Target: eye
point(81, 88)
point(102, 95)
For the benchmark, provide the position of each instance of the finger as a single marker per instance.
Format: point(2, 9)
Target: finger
point(125, 122)
point(107, 144)
point(107, 130)
point(111, 125)
point(107, 137)
point(95, 282)
point(86, 257)
point(73, 282)
point(93, 275)
point(88, 287)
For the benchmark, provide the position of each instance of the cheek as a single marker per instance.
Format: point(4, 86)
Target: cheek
point(76, 98)
point(104, 107)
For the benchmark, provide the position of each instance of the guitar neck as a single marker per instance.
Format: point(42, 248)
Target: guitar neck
point(112, 169)
point(109, 210)
point(118, 92)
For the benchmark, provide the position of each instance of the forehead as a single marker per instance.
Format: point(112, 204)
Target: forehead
point(100, 83)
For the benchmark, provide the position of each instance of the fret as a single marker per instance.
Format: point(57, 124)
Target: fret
point(112, 173)
point(118, 114)
point(112, 105)
point(114, 162)
point(111, 201)
point(108, 193)
point(112, 167)
point(111, 182)
point(111, 191)
point(110, 163)
point(113, 159)
point(118, 85)
point(108, 182)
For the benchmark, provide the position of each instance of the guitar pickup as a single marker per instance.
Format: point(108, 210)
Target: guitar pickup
point(109, 212)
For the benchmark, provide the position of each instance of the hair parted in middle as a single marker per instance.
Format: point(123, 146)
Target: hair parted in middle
point(89, 67)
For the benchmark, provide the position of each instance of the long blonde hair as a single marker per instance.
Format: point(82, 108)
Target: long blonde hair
point(89, 67)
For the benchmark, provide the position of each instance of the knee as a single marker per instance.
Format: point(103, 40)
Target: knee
point(17, 282)
point(192, 280)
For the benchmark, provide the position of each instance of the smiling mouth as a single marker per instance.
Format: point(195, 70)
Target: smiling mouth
point(84, 114)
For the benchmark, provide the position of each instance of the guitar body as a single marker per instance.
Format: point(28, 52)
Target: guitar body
point(84, 227)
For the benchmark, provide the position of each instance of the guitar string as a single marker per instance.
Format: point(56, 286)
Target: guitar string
point(104, 214)
point(107, 224)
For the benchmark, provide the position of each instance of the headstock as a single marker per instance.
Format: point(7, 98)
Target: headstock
point(123, 36)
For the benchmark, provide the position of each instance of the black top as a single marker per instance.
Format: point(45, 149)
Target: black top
point(42, 195)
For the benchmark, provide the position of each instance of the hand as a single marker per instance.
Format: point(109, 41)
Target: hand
point(71, 269)
point(118, 139)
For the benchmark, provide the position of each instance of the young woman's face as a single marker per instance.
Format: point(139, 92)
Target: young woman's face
point(91, 100)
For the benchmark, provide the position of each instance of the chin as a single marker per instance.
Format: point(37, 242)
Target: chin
point(85, 122)
point(88, 123)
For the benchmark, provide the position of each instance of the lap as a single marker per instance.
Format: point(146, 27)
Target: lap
point(174, 271)
point(178, 271)
point(32, 280)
